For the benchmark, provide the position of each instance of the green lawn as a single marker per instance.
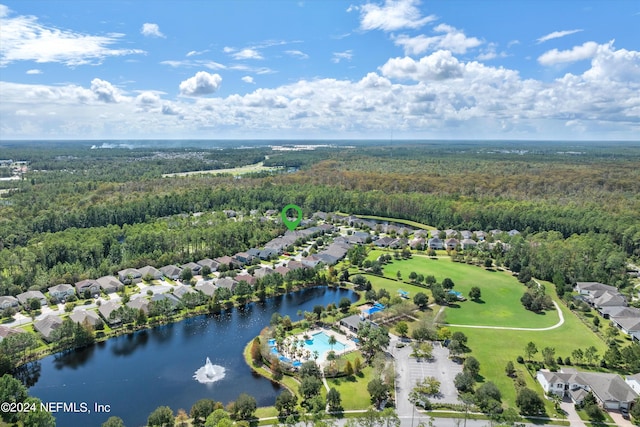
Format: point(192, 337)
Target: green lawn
point(494, 348)
point(500, 303)
point(353, 391)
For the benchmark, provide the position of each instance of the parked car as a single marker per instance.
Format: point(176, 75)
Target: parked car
point(625, 413)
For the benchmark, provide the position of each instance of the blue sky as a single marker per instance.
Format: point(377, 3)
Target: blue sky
point(320, 69)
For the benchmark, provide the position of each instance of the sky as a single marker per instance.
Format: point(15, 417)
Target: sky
point(320, 69)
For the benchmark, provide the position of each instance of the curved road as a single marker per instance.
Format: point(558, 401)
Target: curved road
point(508, 328)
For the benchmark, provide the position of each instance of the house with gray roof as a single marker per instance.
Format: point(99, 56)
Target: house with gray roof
point(107, 308)
point(208, 262)
point(628, 325)
point(610, 390)
point(8, 301)
point(47, 325)
point(206, 288)
point(195, 268)
point(452, 244)
point(149, 271)
point(25, 297)
point(468, 243)
point(262, 272)
point(171, 271)
point(109, 284)
point(175, 302)
point(129, 276)
point(634, 382)
point(83, 316)
point(88, 284)
point(140, 303)
point(181, 290)
point(61, 292)
point(227, 282)
point(6, 331)
point(355, 322)
point(436, 243)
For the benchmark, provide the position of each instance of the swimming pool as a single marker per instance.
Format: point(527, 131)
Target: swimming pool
point(320, 342)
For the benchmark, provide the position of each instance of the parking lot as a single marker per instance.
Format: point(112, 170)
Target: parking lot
point(409, 370)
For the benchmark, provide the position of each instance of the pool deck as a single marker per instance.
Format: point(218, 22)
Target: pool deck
point(348, 344)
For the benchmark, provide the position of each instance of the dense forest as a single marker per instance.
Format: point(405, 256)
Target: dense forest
point(81, 212)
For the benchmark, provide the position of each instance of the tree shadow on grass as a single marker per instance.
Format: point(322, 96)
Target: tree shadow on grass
point(479, 301)
point(453, 305)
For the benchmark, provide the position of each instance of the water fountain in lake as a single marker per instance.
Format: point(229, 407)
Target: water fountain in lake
point(209, 373)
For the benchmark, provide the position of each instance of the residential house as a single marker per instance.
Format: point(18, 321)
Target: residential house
point(129, 276)
point(452, 244)
point(181, 290)
point(384, 242)
point(294, 265)
point(8, 301)
point(282, 270)
point(107, 308)
point(466, 234)
point(61, 292)
point(594, 288)
point(449, 233)
point(270, 212)
point(47, 325)
point(513, 232)
point(175, 302)
point(436, 243)
point(206, 288)
point(434, 233)
point(24, 298)
point(262, 272)
point(311, 261)
point(227, 282)
point(140, 303)
point(619, 311)
point(468, 244)
point(109, 284)
point(150, 272)
point(481, 235)
point(88, 285)
point(610, 390)
point(399, 243)
point(194, 267)
point(251, 280)
point(6, 331)
point(83, 316)
point(268, 253)
point(628, 325)
point(417, 243)
point(226, 260)
point(634, 382)
point(208, 262)
point(171, 271)
point(243, 258)
point(254, 253)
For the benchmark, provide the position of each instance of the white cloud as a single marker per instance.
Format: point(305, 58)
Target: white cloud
point(25, 39)
point(212, 65)
point(197, 52)
point(339, 56)
point(453, 39)
point(247, 53)
point(393, 15)
point(151, 30)
point(202, 83)
point(248, 79)
point(34, 71)
point(297, 54)
point(105, 91)
point(439, 65)
point(438, 96)
point(577, 53)
point(557, 35)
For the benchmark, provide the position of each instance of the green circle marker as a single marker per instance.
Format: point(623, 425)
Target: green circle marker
point(291, 225)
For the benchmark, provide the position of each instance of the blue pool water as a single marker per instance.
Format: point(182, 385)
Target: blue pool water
point(320, 342)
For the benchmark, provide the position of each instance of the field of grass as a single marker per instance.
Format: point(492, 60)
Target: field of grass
point(398, 221)
point(241, 170)
point(500, 303)
point(494, 348)
point(353, 390)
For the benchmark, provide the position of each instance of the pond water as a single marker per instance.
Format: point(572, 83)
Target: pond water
point(136, 373)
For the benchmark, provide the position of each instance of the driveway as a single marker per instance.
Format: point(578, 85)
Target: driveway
point(572, 416)
point(617, 418)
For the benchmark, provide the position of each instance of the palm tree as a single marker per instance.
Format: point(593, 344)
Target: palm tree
point(332, 341)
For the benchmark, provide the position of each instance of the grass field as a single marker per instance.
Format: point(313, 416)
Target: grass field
point(241, 170)
point(397, 221)
point(500, 303)
point(353, 391)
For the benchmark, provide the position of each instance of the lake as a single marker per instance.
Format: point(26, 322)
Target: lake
point(136, 373)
